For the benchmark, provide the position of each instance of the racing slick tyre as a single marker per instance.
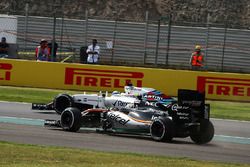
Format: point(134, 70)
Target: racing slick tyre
point(61, 102)
point(71, 119)
point(162, 129)
point(205, 134)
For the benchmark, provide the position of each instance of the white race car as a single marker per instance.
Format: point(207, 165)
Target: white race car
point(131, 95)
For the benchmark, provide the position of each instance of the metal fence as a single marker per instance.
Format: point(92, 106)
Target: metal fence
point(154, 43)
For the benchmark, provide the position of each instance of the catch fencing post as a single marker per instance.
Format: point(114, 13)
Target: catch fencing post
point(207, 39)
point(223, 49)
point(26, 25)
point(86, 27)
point(61, 40)
point(145, 38)
point(157, 41)
point(114, 38)
point(53, 37)
point(169, 36)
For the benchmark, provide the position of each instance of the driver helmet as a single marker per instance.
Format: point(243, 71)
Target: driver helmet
point(139, 97)
point(115, 93)
point(3, 39)
point(197, 47)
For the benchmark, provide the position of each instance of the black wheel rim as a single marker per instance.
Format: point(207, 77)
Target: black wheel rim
point(66, 119)
point(157, 129)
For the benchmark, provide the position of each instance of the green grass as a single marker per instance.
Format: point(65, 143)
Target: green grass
point(19, 155)
point(230, 110)
point(30, 95)
point(219, 109)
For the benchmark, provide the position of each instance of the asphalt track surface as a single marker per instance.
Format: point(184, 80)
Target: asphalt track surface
point(20, 124)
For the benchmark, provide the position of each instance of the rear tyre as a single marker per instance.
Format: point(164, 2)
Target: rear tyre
point(71, 119)
point(61, 102)
point(205, 134)
point(162, 129)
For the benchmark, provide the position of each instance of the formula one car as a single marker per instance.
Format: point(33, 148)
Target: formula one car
point(189, 116)
point(116, 100)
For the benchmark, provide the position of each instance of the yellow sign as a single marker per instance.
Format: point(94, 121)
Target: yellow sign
point(83, 77)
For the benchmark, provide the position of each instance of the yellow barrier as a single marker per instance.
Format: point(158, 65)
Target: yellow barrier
point(223, 86)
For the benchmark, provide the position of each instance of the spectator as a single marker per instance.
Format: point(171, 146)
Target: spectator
point(53, 55)
point(197, 58)
point(93, 52)
point(4, 47)
point(83, 54)
point(42, 51)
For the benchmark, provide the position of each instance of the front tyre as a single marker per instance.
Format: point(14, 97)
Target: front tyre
point(71, 119)
point(205, 134)
point(61, 102)
point(162, 129)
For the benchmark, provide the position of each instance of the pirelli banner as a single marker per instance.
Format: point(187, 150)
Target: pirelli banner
point(223, 86)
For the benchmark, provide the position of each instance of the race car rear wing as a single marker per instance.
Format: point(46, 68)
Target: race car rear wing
point(191, 98)
point(195, 100)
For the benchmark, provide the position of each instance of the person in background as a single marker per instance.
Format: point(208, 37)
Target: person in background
point(42, 51)
point(4, 47)
point(53, 55)
point(83, 54)
point(197, 59)
point(93, 52)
